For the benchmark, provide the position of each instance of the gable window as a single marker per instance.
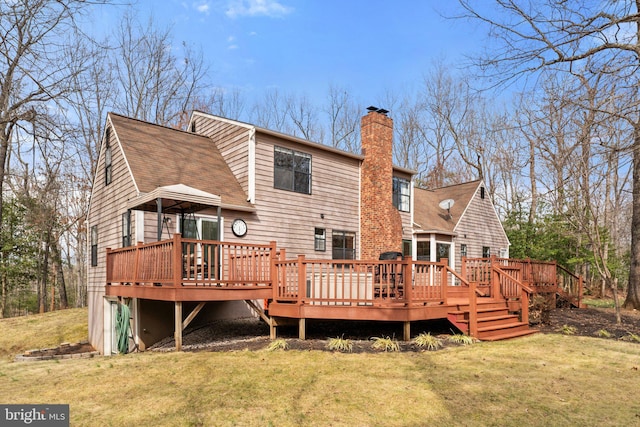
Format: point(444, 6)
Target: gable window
point(486, 252)
point(463, 250)
point(320, 240)
point(343, 245)
point(126, 229)
point(292, 170)
point(94, 246)
point(107, 158)
point(401, 194)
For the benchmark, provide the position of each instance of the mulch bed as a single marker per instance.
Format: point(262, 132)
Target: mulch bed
point(253, 334)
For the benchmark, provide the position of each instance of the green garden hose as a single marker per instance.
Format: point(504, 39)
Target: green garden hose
point(122, 327)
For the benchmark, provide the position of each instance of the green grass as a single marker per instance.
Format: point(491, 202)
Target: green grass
point(507, 383)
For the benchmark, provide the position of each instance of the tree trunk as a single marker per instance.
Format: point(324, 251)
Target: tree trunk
point(44, 273)
point(633, 291)
point(62, 288)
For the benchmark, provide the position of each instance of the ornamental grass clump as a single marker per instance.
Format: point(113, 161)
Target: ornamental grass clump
point(279, 344)
point(385, 344)
point(340, 344)
point(427, 341)
point(461, 339)
point(631, 337)
point(603, 333)
point(567, 330)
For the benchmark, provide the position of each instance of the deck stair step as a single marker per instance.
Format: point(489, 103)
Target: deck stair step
point(494, 322)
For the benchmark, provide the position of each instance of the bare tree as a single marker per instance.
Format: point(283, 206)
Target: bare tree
point(344, 120)
point(153, 84)
point(562, 35)
point(34, 70)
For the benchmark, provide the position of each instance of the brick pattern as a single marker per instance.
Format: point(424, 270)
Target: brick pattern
point(380, 221)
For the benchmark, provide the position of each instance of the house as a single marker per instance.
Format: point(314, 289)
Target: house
point(455, 222)
point(229, 181)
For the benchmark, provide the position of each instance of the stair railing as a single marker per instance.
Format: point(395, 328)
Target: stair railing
point(511, 288)
point(570, 284)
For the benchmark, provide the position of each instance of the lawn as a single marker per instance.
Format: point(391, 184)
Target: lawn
point(544, 379)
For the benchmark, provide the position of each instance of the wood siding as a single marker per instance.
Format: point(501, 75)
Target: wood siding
point(291, 218)
point(479, 226)
point(105, 211)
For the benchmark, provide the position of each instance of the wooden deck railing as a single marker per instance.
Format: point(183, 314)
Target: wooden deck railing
point(541, 276)
point(185, 262)
point(351, 282)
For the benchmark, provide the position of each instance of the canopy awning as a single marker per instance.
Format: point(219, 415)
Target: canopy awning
point(178, 198)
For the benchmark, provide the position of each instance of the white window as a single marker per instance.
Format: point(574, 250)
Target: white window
point(401, 194)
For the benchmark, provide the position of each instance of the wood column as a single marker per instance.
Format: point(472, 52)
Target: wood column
point(178, 325)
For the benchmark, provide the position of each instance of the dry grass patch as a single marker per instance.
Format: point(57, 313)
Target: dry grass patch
point(538, 380)
point(18, 334)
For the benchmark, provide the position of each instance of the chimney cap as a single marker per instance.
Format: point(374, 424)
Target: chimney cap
point(373, 109)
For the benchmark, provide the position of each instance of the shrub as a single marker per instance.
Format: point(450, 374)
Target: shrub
point(461, 339)
point(540, 309)
point(340, 344)
point(279, 344)
point(428, 341)
point(385, 344)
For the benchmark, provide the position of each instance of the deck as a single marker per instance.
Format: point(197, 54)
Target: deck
point(488, 299)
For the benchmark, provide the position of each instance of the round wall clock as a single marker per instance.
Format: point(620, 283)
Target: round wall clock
point(239, 227)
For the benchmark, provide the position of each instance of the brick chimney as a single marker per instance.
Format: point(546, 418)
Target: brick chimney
point(380, 222)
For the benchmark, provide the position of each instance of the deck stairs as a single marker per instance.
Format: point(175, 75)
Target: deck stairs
point(495, 321)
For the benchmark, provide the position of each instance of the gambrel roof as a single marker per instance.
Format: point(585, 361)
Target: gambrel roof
point(158, 156)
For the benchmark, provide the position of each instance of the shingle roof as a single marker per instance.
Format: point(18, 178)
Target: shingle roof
point(160, 156)
point(430, 217)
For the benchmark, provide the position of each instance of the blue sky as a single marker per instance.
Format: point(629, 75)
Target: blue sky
point(368, 47)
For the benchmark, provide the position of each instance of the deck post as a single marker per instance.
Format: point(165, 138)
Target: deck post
point(109, 264)
point(406, 336)
point(473, 311)
point(302, 329)
point(463, 267)
point(495, 282)
point(302, 279)
point(272, 329)
point(178, 325)
point(407, 276)
point(274, 270)
point(444, 262)
point(525, 306)
point(177, 260)
point(136, 264)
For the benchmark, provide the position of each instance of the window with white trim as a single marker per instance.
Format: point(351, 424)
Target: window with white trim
point(401, 194)
point(291, 170)
point(320, 240)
